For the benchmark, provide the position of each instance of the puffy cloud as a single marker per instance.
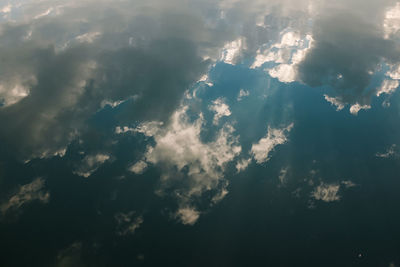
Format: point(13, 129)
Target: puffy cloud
point(188, 215)
point(27, 193)
point(127, 223)
point(139, 167)
point(232, 51)
point(261, 150)
point(335, 102)
point(286, 55)
point(242, 164)
point(190, 166)
point(329, 192)
point(391, 23)
point(91, 163)
point(354, 109)
point(220, 109)
point(388, 87)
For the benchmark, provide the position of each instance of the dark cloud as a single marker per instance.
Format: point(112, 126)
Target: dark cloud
point(346, 52)
point(75, 65)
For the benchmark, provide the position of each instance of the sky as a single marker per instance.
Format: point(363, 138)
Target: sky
point(199, 133)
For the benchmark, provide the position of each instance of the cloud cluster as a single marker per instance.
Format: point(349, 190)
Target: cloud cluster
point(27, 193)
point(61, 67)
point(220, 109)
point(90, 164)
point(349, 46)
point(190, 166)
point(261, 150)
point(64, 60)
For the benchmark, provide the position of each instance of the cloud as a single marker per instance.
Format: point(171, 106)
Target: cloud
point(27, 193)
point(390, 152)
point(190, 167)
point(127, 223)
point(60, 69)
point(242, 93)
point(329, 192)
point(188, 215)
point(283, 176)
point(354, 109)
point(6, 9)
point(139, 167)
point(388, 87)
point(391, 23)
point(261, 150)
point(326, 192)
point(335, 102)
point(232, 51)
point(82, 55)
point(220, 109)
point(242, 164)
point(286, 54)
point(90, 164)
point(347, 50)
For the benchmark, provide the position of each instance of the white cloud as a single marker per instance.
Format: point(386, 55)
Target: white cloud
point(261, 150)
point(33, 191)
point(394, 71)
point(220, 109)
point(190, 166)
point(206, 80)
point(6, 9)
point(326, 192)
point(286, 54)
point(387, 87)
point(139, 167)
point(127, 223)
point(231, 51)
point(241, 165)
point(242, 93)
point(335, 101)
point(391, 24)
point(354, 109)
point(283, 72)
point(148, 128)
point(91, 163)
point(123, 129)
point(188, 215)
point(330, 192)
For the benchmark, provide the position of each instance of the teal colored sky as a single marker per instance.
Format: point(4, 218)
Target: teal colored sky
point(199, 133)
